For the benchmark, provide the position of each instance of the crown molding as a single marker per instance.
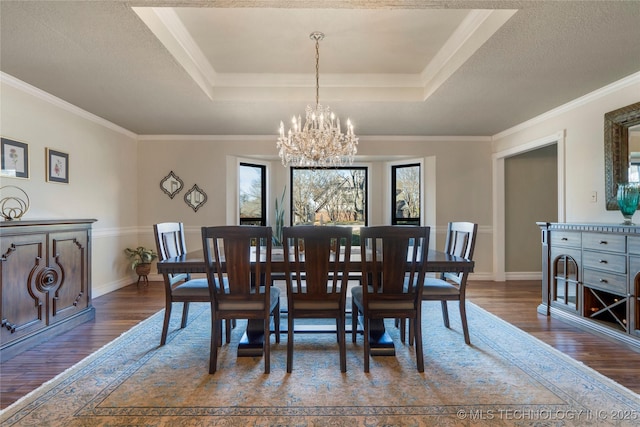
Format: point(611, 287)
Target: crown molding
point(576, 103)
point(64, 105)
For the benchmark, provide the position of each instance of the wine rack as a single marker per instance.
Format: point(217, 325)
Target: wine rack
point(610, 309)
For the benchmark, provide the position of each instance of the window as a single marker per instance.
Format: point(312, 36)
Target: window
point(329, 196)
point(252, 186)
point(405, 185)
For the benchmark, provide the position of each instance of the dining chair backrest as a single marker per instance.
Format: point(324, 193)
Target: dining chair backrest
point(228, 254)
point(461, 241)
point(394, 260)
point(317, 261)
point(238, 264)
point(170, 243)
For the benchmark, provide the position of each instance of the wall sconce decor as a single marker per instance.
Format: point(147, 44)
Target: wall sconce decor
point(195, 198)
point(171, 184)
point(13, 206)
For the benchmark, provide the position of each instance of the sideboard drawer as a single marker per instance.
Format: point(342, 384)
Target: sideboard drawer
point(566, 238)
point(605, 261)
point(615, 283)
point(604, 242)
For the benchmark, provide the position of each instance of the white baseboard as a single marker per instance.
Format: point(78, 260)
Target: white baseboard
point(523, 275)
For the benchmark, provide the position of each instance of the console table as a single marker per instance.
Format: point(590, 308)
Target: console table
point(591, 277)
point(45, 285)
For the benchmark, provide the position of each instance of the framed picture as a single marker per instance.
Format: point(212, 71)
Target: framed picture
point(57, 166)
point(15, 159)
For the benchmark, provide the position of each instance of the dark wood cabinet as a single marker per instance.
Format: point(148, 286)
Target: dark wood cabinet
point(591, 277)
point(46, 281)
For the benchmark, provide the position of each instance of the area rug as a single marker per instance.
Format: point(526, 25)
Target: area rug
point(506, 377)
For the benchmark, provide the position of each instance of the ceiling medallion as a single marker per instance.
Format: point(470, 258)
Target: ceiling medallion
point(320, 142)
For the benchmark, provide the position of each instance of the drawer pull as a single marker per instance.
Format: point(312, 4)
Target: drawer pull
point(604, 281)
point(603, 242)
point(564, 239)
point(602, 261)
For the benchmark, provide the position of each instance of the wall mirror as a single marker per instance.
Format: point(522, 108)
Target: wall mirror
point(195, 198)
point(616, 149)
point(171, 184)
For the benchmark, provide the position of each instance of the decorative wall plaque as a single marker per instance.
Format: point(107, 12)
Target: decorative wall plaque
point(171, 184)
point(195, 198)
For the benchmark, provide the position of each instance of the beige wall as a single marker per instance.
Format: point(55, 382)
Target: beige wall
point(531, 191)
point(102, 175)
point(462, 181)
point(583, 126)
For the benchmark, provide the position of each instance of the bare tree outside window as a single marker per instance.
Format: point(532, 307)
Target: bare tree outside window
point(252, 196)
point(329, 196)
point(406, 187)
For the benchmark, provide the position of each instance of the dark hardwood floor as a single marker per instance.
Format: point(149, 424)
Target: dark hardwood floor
point(116, 312)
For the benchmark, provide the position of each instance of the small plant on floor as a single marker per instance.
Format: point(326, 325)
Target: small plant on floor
point(139, 256)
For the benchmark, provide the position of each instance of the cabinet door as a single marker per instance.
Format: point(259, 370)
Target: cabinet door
point(23, 299)
point(565, 281)
point(68, 255)
point(634, 290)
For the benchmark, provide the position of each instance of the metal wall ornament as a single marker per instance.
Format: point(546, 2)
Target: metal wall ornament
point(171, 185)
point(12, 206)
point(195, 198)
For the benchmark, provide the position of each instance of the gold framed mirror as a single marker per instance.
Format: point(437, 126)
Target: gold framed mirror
point(616, 149)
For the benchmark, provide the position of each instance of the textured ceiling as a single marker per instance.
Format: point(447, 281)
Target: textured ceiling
point(394, 67)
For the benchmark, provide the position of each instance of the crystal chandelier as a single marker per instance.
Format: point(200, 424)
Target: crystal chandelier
point(320, 142)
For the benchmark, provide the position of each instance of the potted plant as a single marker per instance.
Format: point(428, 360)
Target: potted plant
point(279, 223)
point(140, 259)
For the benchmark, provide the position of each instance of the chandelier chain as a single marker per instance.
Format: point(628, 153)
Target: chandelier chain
point(317, 72)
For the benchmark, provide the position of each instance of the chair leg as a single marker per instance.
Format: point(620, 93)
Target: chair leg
point(227, 331)
point(276, 322)
point(463, 318)
point(267, 345)
point(417, 327)
point(213, 352)
point(403, 325)
point(185, 314)
point(412, 331)
point(445, 313)
point(165, 324)
point(366, 344)
point(290, 345)
point(354, 321)
point(341, 344)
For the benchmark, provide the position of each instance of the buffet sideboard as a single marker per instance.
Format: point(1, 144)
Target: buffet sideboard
point(591, 278)
point(45, 286)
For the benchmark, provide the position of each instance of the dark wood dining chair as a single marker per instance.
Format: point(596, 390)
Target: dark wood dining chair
point(232, 256)
point(182, 288)
point(316, 262)
point(451, 286)
point(394, 262)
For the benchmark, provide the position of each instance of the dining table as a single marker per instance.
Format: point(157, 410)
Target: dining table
point(252, 340)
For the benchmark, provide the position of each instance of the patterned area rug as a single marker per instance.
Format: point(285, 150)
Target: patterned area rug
point(506, 377)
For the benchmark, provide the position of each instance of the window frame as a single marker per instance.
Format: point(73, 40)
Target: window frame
point(262, 220)
point(411, 220)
